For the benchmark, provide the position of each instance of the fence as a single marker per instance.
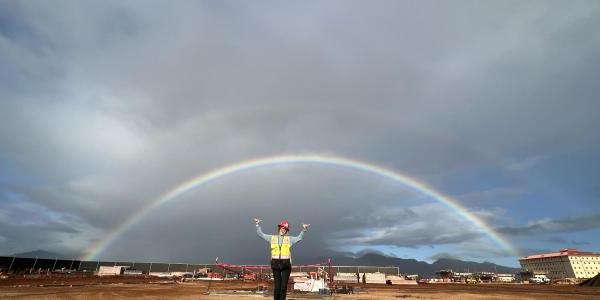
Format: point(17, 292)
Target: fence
point(28, 264)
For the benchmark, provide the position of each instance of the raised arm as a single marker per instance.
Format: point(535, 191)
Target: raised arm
point(266, 237)
point(295, 239)
point(299, 237)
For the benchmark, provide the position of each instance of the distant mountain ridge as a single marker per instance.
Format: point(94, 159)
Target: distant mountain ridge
point(413, 266)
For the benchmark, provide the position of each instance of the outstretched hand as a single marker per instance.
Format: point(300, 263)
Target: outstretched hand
point(257, 221)
point(305, 226)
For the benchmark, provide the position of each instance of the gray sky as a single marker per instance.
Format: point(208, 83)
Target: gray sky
point(108, 105)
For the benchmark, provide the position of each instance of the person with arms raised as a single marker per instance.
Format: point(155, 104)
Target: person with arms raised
point(281, 254)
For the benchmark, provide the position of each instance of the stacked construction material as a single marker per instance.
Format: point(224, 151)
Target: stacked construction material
point(393, 279)
point(111, 270)
point(375, 278)
point(133, 272)
point(312, 285)
point(346, 277)
point(299, 277)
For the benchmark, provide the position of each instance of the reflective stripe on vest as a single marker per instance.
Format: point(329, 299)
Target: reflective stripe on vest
point(280, 251)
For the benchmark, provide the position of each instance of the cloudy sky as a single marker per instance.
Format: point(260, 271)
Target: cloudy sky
point(107, 105)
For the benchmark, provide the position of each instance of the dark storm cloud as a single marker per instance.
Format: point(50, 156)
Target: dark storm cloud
point(441, 256)
point(548, 226)
point(495, 194)
point(414, 226)
point(109, 105)
point(26, 224)
point(562, 241)
point(533, 251)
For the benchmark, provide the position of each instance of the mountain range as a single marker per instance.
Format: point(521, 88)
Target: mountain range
point(413, 266)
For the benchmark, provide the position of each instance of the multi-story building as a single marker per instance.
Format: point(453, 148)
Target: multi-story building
point(567, 263)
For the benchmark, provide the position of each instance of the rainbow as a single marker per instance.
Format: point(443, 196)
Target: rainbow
point(368, 168)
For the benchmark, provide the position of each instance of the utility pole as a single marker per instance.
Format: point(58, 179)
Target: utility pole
point(330, 273)
point(54, 266)
point(11, 263)
point(34, 263)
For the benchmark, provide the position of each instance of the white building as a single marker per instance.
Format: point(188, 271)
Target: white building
point(567, 263)
point(111, 270)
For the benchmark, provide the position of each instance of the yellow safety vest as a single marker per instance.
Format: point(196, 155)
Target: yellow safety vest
point(282, 251)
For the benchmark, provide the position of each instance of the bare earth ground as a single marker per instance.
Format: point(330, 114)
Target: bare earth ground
point(223, 290)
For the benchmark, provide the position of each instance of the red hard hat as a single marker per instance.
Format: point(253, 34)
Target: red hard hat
point(285, 224)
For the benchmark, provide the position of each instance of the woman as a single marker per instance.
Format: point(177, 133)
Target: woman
point(281, 255)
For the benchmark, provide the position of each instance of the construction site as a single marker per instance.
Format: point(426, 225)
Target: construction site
point(31, 278)
point(345, 149)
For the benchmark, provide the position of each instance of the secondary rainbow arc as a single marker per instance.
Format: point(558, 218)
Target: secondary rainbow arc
point(264, 162)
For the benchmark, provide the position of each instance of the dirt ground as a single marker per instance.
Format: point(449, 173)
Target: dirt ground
point(221, 290)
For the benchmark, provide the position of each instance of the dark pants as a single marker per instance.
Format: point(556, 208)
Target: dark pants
point(281, 274)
